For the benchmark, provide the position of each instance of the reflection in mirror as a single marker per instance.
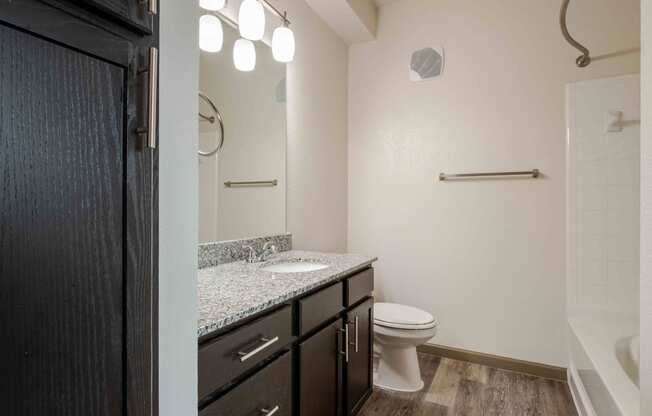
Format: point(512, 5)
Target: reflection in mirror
point(242, 187)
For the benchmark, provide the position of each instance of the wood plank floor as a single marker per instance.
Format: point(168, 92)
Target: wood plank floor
point(456, 388)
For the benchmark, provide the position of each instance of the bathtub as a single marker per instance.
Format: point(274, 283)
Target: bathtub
point(604, 365)
point(628, 352)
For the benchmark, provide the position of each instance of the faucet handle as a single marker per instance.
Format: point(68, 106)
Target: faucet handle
point(269, 249)
point(269, 245)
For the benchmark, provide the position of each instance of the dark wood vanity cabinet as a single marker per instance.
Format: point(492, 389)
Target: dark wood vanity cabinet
point(331, 352)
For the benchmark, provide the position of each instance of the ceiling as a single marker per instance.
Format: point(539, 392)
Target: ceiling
point(353, 20)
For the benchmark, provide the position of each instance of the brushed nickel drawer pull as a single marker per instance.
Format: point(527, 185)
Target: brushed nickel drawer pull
point(152, 5)
point(270, 412)
point(357, 332)
point(153, 98)
point(244, 356)
point(345, 353)
point(152, 106)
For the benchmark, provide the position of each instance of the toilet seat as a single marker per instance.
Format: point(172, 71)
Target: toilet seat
point(394, 315)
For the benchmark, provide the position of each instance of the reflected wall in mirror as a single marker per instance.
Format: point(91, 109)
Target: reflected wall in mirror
point(253, 109)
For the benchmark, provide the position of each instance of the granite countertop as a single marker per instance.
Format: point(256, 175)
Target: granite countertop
point(231, 292)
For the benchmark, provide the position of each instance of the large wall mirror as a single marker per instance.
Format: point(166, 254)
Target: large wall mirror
point(242, 186)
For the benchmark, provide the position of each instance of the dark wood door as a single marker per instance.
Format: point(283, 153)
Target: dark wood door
point(135, 13)
point(78, 208)
point(320, 373)
point(359, 368)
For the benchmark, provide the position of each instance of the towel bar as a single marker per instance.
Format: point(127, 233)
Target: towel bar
point(535, 173)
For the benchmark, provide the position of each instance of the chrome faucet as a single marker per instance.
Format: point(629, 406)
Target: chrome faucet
point(268, 251)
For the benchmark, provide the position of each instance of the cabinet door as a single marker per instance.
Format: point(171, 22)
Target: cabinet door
point(320, 373)
point(137, 14)
point(359, 368)
point(77, 218)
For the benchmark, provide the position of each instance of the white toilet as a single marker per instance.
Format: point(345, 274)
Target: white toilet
point(399, 330)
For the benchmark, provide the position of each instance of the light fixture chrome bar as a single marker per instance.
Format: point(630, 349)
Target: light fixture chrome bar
point(535, 173)
point(231, 184)
point(226, 20)
point(276, 11)
point(265, 3)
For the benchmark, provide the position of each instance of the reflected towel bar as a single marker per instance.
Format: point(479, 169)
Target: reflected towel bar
point(535, 173)
point(231, 184)
point(212, 119)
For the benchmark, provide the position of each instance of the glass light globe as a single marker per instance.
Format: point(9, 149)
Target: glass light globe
point(213, 5)
point(211, 33)
point(244, 55)
point(251, 20)
point(283, 45)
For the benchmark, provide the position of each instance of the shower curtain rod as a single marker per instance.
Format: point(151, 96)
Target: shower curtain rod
point(583, 60)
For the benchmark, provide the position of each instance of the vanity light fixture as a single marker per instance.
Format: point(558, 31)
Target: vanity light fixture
point(251, 25)
point(283, 44)
point(251, 19)
point(211, 33)
point(244, 55)
point(212, 5)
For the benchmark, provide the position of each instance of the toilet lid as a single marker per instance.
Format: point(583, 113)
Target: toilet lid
point(394, 315)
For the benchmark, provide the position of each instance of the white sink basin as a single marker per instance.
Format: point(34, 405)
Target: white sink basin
point(294, 267)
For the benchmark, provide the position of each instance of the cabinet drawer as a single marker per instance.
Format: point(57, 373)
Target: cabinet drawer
point(318, 308)
point(269, 390)
point(228, 356)
point(359, 286)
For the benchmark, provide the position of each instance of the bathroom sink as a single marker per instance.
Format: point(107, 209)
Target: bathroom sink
point(294, 267)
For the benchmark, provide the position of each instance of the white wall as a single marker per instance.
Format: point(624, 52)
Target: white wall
point(178, 210)
point(208, 192)
point(317, 133)
point(646, 211)
point(486, 257)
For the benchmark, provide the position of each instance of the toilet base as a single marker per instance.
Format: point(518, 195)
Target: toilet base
point(398, 369)
point(393, 388)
